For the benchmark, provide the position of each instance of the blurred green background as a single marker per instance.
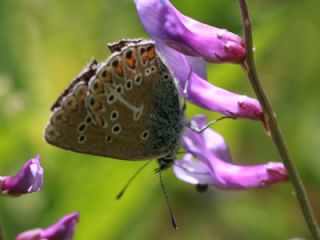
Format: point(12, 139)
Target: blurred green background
point(44, 44)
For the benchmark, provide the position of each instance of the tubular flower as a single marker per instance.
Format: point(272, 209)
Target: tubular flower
point(29, 179)
point(214, 165)
point(63, 229)
point(185, 44)
point(191, 74)
point(165, 23)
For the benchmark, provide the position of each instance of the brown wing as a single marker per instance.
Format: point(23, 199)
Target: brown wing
point(114, 114)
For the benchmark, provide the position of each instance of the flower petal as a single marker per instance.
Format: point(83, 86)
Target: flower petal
point(210, 97)
point(192, 172)
point(164, 22)
point(63, 229)
point(202, 93)
point(28, 179)
point(214, 166)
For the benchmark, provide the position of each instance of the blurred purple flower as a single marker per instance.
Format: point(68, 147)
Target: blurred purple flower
point(165, 23)
point(63, 229)
point(214, 166)
point(28, 179)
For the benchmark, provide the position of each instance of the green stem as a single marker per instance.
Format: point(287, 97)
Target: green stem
point(271, 121)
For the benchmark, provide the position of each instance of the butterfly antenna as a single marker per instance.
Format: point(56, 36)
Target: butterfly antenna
point(119, 195)
point(173, 219)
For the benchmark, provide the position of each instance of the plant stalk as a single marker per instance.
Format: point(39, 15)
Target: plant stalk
point(272, 123)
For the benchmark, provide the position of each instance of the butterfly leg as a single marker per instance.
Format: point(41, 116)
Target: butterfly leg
point(194, 127)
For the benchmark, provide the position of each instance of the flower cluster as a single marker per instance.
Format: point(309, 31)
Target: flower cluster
point(185, 44)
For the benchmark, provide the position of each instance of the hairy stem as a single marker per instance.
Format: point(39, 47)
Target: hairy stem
point(271, 121)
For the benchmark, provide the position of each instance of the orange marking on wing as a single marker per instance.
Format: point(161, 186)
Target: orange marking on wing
point(107, 77)
point(96, 106)
point(98, 87)
point(151, 53)
point(99, 120)
point(117, 65)
point(81, 93)
point(131, 62)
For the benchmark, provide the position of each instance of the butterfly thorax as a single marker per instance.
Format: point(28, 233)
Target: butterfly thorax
point(126, 107)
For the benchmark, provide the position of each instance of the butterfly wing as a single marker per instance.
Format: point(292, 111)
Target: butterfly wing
point(128, 110)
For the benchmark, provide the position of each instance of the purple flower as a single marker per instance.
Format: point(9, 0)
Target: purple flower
point(203, 93)
point(214, 166)
point(184, 44)
point(28, 179)
point(165, 23)
point(63, 229)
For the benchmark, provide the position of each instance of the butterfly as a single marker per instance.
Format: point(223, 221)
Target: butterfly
point(126, 107)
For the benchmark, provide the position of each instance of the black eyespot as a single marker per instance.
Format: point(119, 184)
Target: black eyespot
point(145, 135)
point(129, 54)
point(116, 129)
point(153, 69)
point(88, 120)
point(82, 127)
point(129, 85)
point(138, 79)
point(147, 71)
point(82, 139)
point(119, 89)
point(114, 115)
point(115, 63)
point(111, 98)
